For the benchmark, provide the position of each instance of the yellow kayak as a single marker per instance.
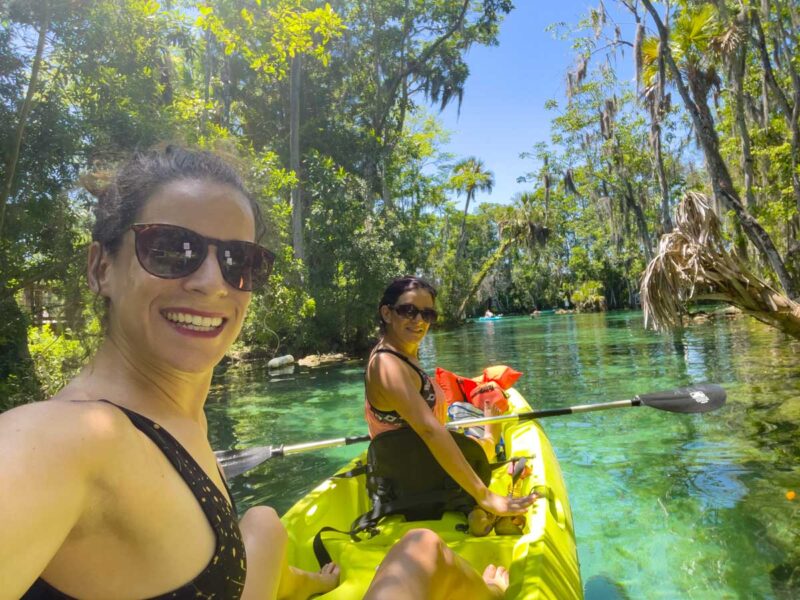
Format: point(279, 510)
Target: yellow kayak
point(543, 560)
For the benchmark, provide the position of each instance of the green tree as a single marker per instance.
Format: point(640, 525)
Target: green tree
point(519, 225)
point(690, 55)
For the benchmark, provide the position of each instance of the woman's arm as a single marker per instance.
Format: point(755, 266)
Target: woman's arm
point(50, 456)
point(396, 386)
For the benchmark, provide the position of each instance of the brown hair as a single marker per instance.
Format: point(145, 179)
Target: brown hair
point(122, 194)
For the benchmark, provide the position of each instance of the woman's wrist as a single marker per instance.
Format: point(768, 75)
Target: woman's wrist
point(482, 495)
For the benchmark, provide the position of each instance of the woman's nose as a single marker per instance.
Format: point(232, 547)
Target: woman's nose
point(208, 278)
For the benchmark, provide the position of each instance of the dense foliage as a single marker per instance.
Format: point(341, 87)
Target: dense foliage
point(325, 106)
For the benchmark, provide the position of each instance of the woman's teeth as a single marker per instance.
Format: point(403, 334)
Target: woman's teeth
point(194, 322)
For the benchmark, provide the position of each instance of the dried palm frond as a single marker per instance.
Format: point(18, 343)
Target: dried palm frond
point(693, 263)
point(727, 42)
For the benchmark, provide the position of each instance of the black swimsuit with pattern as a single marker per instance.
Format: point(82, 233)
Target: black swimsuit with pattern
point(426, 391)
point(223, 577)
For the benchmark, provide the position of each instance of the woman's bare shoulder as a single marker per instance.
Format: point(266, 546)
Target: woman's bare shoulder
point(64, 429)
point(385, 367)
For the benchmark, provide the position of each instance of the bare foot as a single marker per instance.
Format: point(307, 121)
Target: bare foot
point(496, 579)
point(320, 582)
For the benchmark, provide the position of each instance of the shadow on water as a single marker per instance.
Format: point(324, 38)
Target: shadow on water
point(601, 587)
point(665, 506)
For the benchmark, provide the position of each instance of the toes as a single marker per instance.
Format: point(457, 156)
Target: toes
point(330, 568)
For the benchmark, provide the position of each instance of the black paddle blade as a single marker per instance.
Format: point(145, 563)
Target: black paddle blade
point(236, 462)
point(699, 398)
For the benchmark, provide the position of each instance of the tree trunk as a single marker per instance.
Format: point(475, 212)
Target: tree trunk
point(298, 243)
point(741, 123)
point(641, 221)
point(790, 110)
point(22, 118)
point(462, 237)
point(481, 275)
point(666, 222)
point(655, 125)
point(720, 176)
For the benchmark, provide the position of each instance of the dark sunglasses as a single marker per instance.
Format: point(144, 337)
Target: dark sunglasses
point(409, 311)
point(172, 252)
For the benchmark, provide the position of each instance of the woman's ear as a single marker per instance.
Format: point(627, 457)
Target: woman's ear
point(385, 313)
point(97, 269)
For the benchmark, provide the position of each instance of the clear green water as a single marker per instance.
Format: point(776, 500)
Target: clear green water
point(665, 506)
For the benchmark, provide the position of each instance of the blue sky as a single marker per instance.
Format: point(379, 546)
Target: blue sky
point(503, 111)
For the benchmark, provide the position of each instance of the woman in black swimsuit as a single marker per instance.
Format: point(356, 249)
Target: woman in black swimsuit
point(111, 489)
point(400, 394)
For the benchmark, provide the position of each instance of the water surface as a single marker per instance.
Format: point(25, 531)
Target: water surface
point(665, 505)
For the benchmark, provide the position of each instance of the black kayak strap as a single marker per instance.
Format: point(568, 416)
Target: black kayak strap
point(368, 521)
point(359, 469)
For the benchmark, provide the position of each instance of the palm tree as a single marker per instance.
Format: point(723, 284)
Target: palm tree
point(520, 226)
point(469, 176)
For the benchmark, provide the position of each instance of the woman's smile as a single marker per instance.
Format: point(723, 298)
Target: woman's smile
point(194, 323)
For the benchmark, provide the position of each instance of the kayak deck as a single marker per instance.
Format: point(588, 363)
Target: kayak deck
point(542, 561)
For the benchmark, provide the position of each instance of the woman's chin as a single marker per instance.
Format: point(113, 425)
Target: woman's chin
point(191, 363)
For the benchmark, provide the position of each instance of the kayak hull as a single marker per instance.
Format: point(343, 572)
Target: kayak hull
point(542, 560)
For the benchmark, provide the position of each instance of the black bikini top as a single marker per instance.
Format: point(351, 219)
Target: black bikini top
point(392, 417)
point(224, 575)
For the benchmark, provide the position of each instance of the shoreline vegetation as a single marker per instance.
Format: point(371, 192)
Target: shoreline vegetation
point(357, 197)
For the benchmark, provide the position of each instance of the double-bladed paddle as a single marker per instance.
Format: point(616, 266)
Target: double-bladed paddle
point(698, 398)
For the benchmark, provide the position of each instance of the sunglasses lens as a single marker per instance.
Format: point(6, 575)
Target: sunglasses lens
point(429, 316)
point(245, 266)
point(409, 311)
point(169, 252)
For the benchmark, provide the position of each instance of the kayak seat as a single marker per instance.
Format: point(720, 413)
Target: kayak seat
point(403, 478)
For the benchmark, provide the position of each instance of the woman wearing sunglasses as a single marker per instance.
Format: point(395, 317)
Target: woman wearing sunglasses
point(400, 394)
point(111, 489)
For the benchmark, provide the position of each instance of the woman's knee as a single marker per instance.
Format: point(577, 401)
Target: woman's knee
point(423, 542)
point(263, 521)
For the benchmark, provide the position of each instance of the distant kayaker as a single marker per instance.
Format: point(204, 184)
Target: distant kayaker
point(110, 489)
point(400, 394)
point(488, 314)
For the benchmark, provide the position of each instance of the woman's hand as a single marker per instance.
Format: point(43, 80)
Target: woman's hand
point(503, 506)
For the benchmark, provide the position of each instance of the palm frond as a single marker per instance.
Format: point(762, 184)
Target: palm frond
point(693, 263)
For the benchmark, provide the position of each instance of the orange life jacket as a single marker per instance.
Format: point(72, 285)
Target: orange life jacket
point(487, 387)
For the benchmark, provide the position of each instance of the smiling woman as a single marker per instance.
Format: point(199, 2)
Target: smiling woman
point(399, 394)
point(116, 491)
